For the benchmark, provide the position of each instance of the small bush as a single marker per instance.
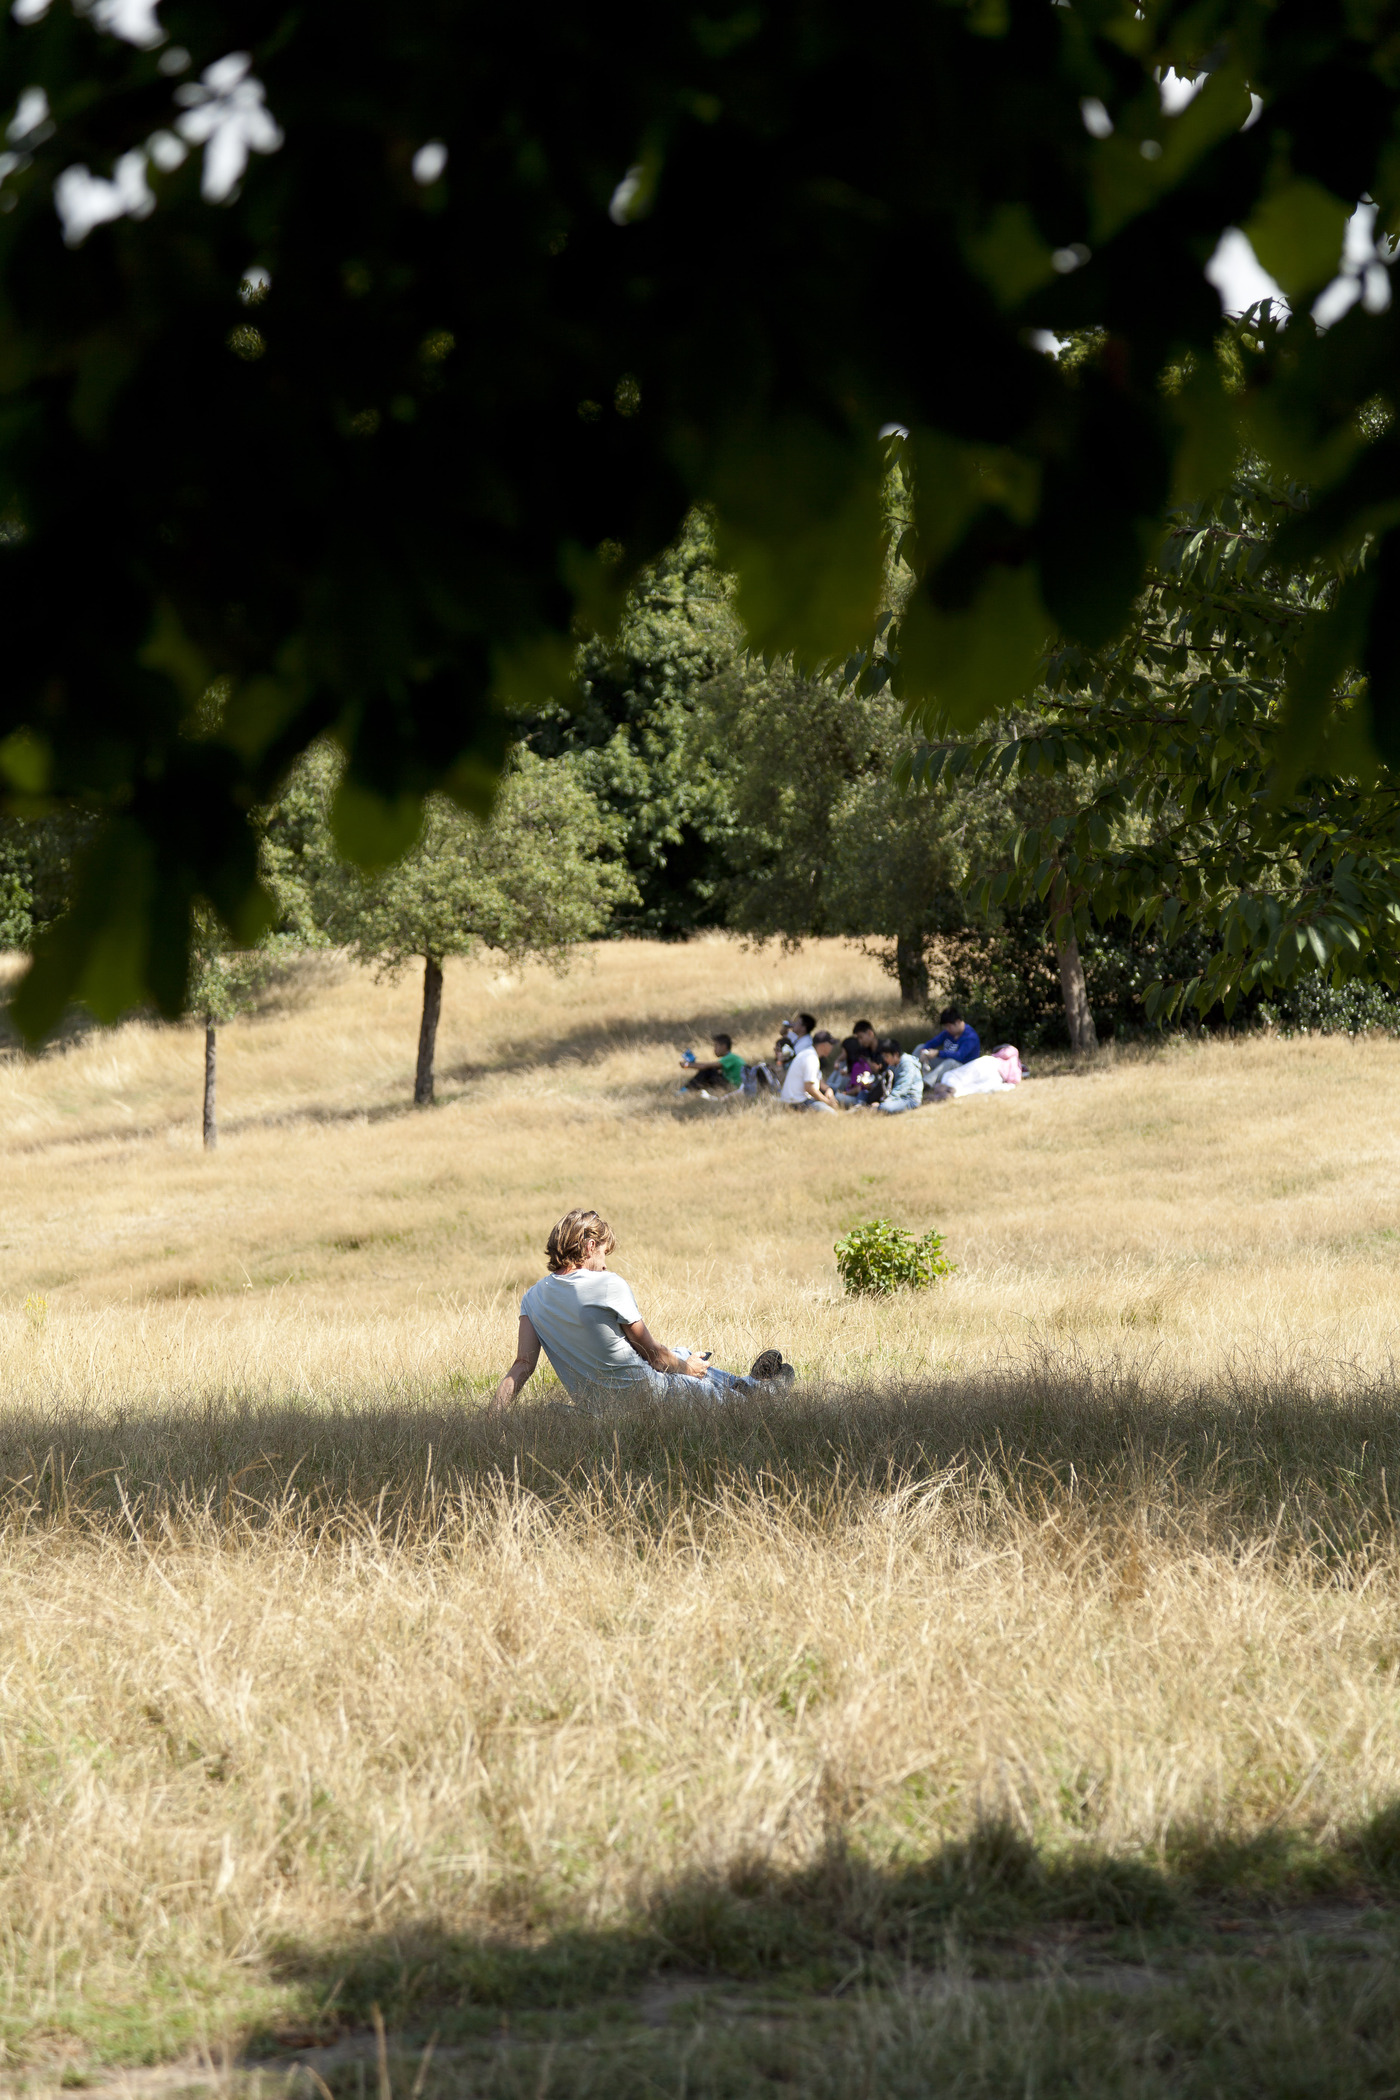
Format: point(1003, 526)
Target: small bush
point(878, 1258)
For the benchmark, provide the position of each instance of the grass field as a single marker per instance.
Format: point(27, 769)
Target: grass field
point(1016, 1707)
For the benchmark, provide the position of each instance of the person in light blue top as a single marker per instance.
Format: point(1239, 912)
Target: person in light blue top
point(906, 1079)
point(603, 1353)
point(956, 1043)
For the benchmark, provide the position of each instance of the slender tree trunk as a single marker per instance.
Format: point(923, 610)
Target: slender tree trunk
point(1082, 1036)
point(427, 1032)
point(911, 968)
point(211, 1126)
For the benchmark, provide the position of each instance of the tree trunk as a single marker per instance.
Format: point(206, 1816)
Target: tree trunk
point(911, 968)
point(211, 1127)
point(1082, 1036)
point(427, 1032)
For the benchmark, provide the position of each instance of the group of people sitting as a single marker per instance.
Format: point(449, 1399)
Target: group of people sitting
point(809, 1070)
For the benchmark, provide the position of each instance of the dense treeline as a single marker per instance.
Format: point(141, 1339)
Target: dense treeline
point(1144, 839)
point(692, 785)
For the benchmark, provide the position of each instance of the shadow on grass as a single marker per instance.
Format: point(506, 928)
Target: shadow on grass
point(1108, 1463)
point(753, 1027)
point(992, 1901)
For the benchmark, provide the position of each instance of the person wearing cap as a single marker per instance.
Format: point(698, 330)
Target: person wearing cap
point(805, 1084)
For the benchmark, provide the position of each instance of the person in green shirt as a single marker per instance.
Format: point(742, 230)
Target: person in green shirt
point(725, 1074)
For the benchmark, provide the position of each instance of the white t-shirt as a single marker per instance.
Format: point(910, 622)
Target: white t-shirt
point(579, 1318)
point(805, 1065)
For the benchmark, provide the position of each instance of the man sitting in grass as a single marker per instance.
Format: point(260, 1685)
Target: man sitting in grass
point(723, 1076)
point(601, 1348)
point(956, 1043)
point(805, 1085)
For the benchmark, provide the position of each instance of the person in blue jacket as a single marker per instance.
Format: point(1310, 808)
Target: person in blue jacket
point(956, 1043)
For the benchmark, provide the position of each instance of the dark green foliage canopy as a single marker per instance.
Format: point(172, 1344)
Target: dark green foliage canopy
point(668, 255)
point(1194, 801)
point(36, 871)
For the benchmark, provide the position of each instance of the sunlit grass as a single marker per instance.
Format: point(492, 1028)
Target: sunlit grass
point(1060, 1600)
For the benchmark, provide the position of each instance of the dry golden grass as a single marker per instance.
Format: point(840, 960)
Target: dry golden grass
point(703, 1691)
point(1234, 1201)
point(310, 1673)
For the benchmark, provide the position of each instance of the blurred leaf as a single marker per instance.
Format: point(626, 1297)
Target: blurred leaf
point(97, 952)
point(958, 667)
point(170, 649)
point(1208, 444)
point(1382, 655)
point(1296, 232)
point(798, 519)
point(1010, 255)
point(1335, 642)
point(370, 830)
point(530, 674)
point(1126, 183)
point(26, 761)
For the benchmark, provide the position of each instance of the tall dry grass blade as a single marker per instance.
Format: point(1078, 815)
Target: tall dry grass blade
point(381, 2053)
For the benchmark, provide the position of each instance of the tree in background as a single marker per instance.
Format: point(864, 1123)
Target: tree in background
point(1201, 805)
point(37, 853)
point(821, 840)
point(224, 981)
point(757, 797)
point(631, 725)
point(539, 877)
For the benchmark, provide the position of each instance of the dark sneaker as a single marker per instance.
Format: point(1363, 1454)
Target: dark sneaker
point(769, 1365)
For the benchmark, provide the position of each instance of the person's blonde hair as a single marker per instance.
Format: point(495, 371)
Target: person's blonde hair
point(573, 1237)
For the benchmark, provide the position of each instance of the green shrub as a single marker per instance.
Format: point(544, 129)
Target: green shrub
point(878, 1258)
point(1314, 1007)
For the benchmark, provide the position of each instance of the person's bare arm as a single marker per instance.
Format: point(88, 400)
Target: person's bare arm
point(527, 1355)
point(661, 1359)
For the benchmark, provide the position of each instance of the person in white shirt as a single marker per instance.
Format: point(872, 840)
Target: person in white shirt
point(601, 1348)
point(805, 1084)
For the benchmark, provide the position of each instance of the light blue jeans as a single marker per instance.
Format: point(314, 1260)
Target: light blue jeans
point(896, 1108)
point(716, 1386)
point(941, 1070)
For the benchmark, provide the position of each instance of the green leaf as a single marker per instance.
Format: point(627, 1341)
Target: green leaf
point(371, 831)
point(1296, 232)
point(98, 951)
point(798, 520)
point(1010, 255)
point(961, 666)
point(26, 761)
point(169, 649)
point(1125, 183)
